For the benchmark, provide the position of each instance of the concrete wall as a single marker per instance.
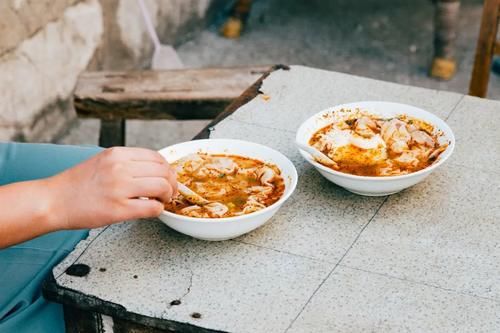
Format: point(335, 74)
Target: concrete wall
point(46, 44)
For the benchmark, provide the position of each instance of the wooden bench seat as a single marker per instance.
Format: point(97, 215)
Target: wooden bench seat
point(176, 94)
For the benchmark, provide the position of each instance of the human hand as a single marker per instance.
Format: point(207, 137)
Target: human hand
point(111, 187)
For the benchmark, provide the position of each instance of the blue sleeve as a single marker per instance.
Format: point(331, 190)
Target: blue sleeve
point(25, 266)
point(28, 161)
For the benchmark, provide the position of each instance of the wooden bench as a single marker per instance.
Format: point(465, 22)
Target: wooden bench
point(183, 94)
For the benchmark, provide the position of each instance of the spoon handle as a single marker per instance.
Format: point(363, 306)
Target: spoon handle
point(317, 155)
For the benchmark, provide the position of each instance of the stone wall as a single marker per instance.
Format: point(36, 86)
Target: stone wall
point(126, 44)
point(46, 44)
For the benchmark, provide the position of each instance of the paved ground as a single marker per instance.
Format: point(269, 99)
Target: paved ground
point(388, 40)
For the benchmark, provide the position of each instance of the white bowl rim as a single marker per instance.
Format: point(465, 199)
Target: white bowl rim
point(284, 197)
point(450, 148)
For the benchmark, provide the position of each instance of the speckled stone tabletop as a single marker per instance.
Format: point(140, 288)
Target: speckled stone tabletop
point(423, 260)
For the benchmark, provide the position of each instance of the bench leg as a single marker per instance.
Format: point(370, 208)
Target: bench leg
point(112, 133)
point(238, 17)
point(485, 49)
point(445, 32)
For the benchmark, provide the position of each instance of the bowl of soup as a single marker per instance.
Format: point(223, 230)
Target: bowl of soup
point(377, 148)
point(244, 183)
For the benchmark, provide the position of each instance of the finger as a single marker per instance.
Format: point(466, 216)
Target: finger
point(172, 179)
point(136, 154)
point(142, 154)
point(152, 187)
point(139, 208)
point(139, 169)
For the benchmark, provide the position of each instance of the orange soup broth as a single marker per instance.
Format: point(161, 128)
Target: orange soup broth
point(374, 170)
point(234, 197)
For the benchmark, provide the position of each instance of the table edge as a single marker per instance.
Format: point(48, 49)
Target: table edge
point(249, 94)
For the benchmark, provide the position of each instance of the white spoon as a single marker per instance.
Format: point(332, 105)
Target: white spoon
point(191, 196)
point(317, 155)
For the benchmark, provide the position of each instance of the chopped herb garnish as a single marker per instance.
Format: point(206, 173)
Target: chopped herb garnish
point(350, 122)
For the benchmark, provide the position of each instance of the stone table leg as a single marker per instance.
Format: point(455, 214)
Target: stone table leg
point(79, 321)
point(445, 32)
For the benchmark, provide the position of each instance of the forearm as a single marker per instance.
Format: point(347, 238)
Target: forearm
point(28, 209)
point(102, 190)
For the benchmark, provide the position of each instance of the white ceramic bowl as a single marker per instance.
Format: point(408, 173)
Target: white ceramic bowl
point(374, 186)
point(216, 229)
